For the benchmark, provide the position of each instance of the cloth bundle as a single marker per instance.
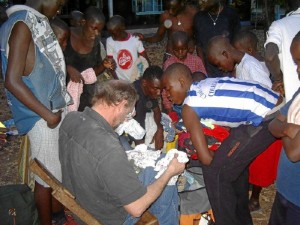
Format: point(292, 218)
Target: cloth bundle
point(75, 89)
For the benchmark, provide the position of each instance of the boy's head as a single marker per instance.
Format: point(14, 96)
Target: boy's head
point(76, 18)
point(48, 8)
point(245, 41)
point(174, 7)
point(220, 53)
point(207, 5)
point(150, 81)
point(93, 22)
point(180, 40)
point(116, 27)
point(198, 76)
point(176, 80)
point(295, 51)
point(61, 31)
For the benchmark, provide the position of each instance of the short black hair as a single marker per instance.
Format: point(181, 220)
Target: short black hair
point(152, 73)
point(116, 21)
point(57, 23)
point(245, 35)
point(94, 13)
point(179, 36)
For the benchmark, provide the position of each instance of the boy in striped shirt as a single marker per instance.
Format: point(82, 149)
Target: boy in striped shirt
point(246, 108)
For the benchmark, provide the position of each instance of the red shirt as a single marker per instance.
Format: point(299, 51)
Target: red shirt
point(191, 61)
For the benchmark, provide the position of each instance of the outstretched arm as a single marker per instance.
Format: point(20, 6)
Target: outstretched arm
point(193, 126)
point(160, 33)
point(154, 190)
point(21, 56)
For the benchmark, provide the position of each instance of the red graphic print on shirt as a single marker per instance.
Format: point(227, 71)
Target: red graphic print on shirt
point(124, 59)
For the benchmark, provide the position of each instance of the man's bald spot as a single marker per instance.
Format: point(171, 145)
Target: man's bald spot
point(177, 71)
point(217, 45)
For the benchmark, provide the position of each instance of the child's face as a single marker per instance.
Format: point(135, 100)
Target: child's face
point(180, 50)
point(174, 7)
point(295, 51)
point(92, 28)
point(62, 37)
point(152, 88)
point(223, 61)
point(116, 33)
point(174, 90)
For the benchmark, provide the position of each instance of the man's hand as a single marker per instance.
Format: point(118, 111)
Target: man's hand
point(175, 167)
point(54, 119)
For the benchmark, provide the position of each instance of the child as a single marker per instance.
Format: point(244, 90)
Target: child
point(222, 54)
point(246, 41)
point(83, 52)
point(125, 49)
point(180, 40)
point(217, 101)
point(263, 170)
point(61, 31)
point(76, 18)
point(286, 206)
point(37, 95)
point(75, 89)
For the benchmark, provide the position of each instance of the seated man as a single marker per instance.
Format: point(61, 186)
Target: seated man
point(148, 89)
point(241, 105)
point(95, 167)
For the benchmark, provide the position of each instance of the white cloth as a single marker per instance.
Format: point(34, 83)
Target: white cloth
point(131, 127)
point(44, 147)
point(281, 33)
point(253, 70)
point(150, 127)
point(125, 53)
point(142, 157)
point(163, 164)
point(76, 89)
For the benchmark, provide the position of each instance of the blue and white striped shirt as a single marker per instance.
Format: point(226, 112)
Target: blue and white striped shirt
point(230, 102)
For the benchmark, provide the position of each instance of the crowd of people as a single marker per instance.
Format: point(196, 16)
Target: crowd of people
point(69, 92)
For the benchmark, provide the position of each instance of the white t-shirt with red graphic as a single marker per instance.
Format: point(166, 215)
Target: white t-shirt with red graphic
point(126, 54)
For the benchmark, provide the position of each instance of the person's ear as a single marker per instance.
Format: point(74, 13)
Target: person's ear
point(225, 54)
point(250, 50)
point(181, 81)
point(144, 82)
point(82, 22)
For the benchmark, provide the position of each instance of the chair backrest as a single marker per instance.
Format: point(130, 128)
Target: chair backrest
point(61, 193)
point(68, 200)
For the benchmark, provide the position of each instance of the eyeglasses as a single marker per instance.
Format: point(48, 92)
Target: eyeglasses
point(130, 115)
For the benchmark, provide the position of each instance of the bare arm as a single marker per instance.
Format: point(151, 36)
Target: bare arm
point(159, 135)
point(138, 207)
point(273, 62)
point(291, 142)
point(20, 44)
point(160, 33)
point(144, 54)
point(290, 135)
point(193, 126)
